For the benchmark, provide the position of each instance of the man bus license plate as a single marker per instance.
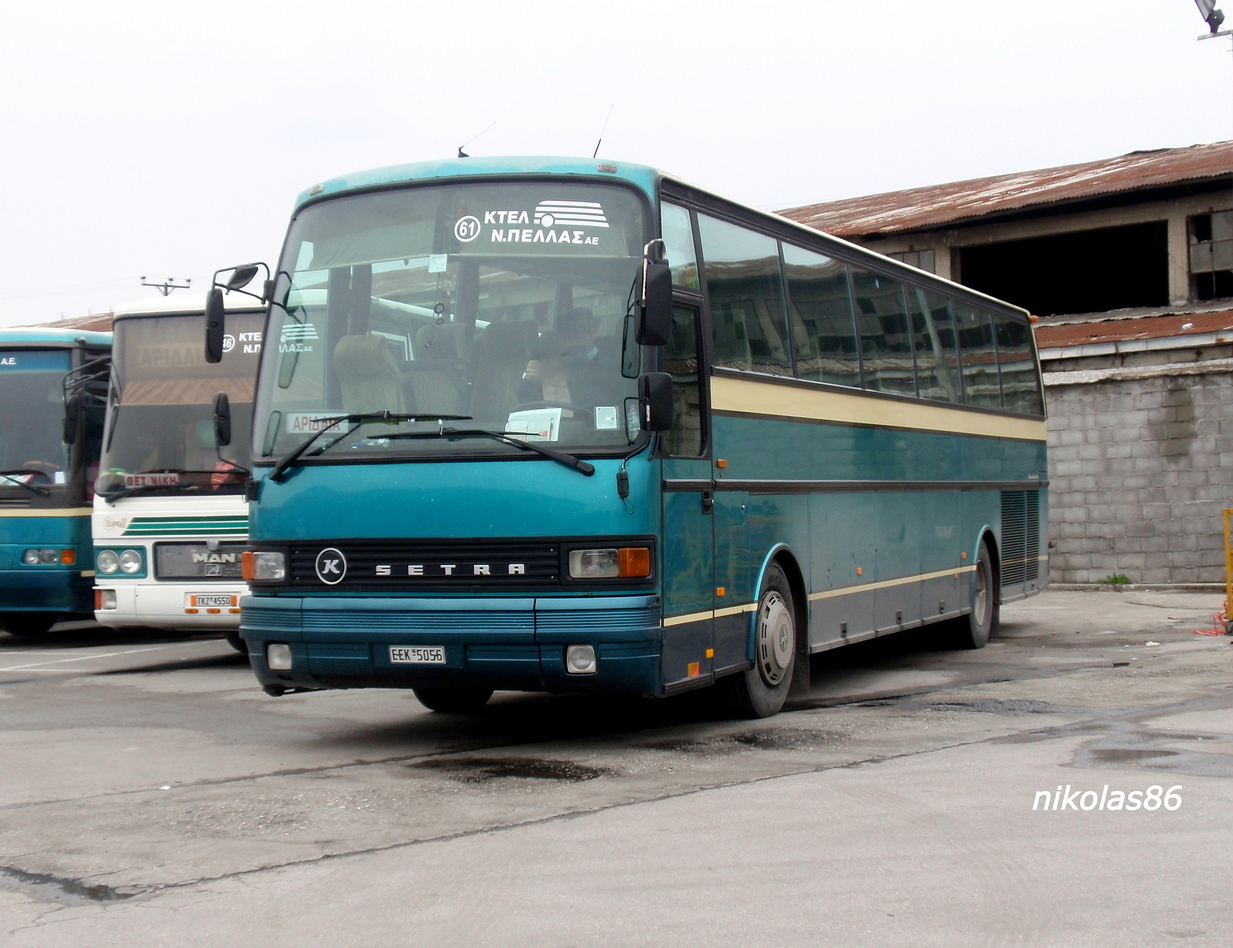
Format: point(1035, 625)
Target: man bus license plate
point(417, 654)
point(217, 601)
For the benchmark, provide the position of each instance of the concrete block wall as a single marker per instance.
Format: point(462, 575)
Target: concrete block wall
point(1140, 470)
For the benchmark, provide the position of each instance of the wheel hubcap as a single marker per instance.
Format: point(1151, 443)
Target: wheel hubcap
point(776, 638)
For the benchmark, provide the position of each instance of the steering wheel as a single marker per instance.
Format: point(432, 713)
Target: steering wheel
point(45, 468)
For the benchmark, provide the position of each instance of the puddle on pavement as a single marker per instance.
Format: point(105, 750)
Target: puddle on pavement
point(993, 706)
point(485, 769)
point(778, 739)
point(1126, 755)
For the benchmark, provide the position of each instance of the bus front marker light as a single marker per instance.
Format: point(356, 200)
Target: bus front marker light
point(130, 561)
point(108, 562)
point(580, 659)
point(104, 599)
point(634, 562)
point(264, 566)
point(278, 656)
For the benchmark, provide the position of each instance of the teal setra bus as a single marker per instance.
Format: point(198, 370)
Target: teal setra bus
point(53, 390)
point(570, 425)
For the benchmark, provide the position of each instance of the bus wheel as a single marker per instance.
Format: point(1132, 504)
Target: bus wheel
point(27, 624)
point(975, 627)
point(453, 700)
point(237, 643)
point(760, 692)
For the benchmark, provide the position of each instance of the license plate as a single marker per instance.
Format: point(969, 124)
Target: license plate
point(417, 654)
point(206, 602)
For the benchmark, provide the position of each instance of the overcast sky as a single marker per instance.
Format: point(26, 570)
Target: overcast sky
point(170, 139)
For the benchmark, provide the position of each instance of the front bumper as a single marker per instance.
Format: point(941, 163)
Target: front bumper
point(507, 644)
point(164, 605)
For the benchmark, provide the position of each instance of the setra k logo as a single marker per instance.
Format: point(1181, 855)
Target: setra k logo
point(331, 566)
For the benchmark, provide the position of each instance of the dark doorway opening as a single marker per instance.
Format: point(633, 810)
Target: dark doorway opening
point(1086, 272)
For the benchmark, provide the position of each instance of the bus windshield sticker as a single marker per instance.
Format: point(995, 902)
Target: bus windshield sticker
point(538, 424)
point(606, 418)
point(552, 222)
point(309, 422)
point(170, 479)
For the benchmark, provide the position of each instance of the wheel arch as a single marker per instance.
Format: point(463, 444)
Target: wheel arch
point(783, 556)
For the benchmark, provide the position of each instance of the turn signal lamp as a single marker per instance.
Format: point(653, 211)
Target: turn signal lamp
point(104, 599)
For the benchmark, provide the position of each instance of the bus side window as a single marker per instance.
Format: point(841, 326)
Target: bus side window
point(1020, 388)
point(820, 305)
point(978, 357)
point(933, 338)
point(886, 348)
point(681, 360)
point(747, 299)
point(679, 243)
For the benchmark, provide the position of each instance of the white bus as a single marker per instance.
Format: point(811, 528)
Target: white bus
point(170, 517)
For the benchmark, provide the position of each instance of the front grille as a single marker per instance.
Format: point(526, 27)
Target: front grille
point(426, 564)
point(198, 561)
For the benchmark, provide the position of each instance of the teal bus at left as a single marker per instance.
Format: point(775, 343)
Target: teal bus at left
point(53, 396)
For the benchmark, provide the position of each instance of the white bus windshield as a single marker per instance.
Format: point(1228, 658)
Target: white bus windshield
point(160, 431)
point(497, 307)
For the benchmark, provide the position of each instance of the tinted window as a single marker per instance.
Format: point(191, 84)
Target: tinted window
point(820, 310)
point(886, 348)
point(746, 294)
point(936, 346)
point(978, 359)
point(679, 241)
point(1020, 386)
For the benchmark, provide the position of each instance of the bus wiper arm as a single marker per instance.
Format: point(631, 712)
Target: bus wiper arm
point(582, 467)
point(9, 479)
point(355, 418)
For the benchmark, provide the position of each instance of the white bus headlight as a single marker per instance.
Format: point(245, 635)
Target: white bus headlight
point(628, 562)
point(278, 656)
point(40, 557)
point(108, 562)
point(130, 561)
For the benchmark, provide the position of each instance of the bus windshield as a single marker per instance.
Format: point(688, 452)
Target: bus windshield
point(160, 430)
point(31, 409)
point(461, 310)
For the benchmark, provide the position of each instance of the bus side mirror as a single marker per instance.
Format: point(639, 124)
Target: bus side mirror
point(214, 331)
point(72, 411)
point(655, 401)
point(222, 420)
point(654, 316)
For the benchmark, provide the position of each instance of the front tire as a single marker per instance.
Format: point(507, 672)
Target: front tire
point(761, 691)
point(453, 700)
point(976, 627)
point(27, 624)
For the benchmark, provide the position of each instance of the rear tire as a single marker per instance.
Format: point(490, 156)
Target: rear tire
point(976, 627)
point(453, 700)
point(761, 691)
point(237, 643)
point(27, 624)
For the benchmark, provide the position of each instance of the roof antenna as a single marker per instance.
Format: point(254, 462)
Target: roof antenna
point(602, 130)
point(463, 154)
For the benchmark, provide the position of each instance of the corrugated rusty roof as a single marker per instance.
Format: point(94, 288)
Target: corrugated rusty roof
point(1062, 335)
point(924, 208)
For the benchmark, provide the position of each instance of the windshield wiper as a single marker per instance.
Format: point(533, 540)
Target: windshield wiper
point(356, 418)
point(582, 467)
point(25, 472)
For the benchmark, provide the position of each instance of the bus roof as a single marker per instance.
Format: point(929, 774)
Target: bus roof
point(641, 175)
point(190, 304)
point(57, 338)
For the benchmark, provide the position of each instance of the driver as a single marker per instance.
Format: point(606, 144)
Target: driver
point(567, 366)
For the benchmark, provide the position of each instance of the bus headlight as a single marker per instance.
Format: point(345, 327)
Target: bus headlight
point(627, 562)
point(580, 659)
point(130, 561)
point(278, 656)
point(41, 557)
point(108, 562)
point(264, 566)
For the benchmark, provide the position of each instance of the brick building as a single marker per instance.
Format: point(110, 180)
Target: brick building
point(1129, 264)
